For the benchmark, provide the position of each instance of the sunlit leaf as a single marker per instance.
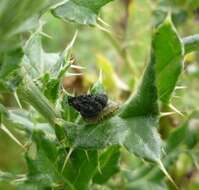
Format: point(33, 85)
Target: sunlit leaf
point(80, 11)
point(168, 51)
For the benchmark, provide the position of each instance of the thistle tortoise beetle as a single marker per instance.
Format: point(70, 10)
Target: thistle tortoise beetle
point(93, 107)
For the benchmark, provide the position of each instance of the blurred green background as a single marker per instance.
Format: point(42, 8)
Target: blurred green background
point(124, 49)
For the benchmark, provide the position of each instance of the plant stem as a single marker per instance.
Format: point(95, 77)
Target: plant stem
point(32, 95)
point(191, 43)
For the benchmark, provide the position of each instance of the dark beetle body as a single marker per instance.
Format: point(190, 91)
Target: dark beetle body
point(89, 105)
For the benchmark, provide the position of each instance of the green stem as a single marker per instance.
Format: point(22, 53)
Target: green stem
point(191, 43)
point(32, 95)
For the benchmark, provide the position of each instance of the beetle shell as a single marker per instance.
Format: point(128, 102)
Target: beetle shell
point(93, 108)
point(90, 105)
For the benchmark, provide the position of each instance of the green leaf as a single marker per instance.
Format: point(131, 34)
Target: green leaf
point(19, 119)
point(81, 168)
point(108, 165)
point(62, 63)
point(84, 164)
point(98, 87)
point(111, 132)
point(52, 89)
point(37, 62)
point(80, 11)
point(144, 102)
point(183, 135)
point(11, 83)
point(48, 67)
point(143, 138)
point(168, 50)
point(23, 9)
point(11, 62)
point(176, 138)
point(139, 135)
point(141, 114)
point(43, 168)
point(33, 61)
point(22, 120)
point(10, 70)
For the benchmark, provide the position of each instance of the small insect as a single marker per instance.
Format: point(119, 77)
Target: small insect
point(93, 108)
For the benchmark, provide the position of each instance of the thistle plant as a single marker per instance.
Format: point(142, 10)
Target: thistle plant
point(62, 149)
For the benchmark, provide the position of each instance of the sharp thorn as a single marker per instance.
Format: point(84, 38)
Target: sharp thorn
point(176, 110)
point(164, 114)
point(77, 67)
point(180, 87)
point(103, 22)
